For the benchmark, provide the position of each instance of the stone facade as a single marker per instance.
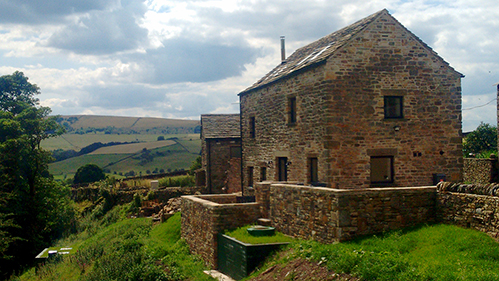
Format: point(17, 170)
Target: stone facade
point(326, 103)
point(480, 171)
point(204, 216)
point(220, 152)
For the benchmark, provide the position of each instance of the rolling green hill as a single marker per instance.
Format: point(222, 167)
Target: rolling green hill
point(149, 145)
point(171, 157)
point(84, 124)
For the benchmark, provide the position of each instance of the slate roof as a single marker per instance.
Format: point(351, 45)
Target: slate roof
point(318, 51)
point(218, 126)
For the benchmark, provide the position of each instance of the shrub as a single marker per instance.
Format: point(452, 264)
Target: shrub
point(177, 181)
point(88, 173)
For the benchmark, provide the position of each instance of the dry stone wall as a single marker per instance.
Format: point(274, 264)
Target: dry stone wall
point(480, 171)
point(480, 212)
point(327, 215)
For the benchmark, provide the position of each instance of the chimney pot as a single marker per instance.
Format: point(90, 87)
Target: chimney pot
point(283, 49)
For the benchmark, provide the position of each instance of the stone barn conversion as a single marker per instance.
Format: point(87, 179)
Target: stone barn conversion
point(221, 152)
point(347, 137)
point(370, 105)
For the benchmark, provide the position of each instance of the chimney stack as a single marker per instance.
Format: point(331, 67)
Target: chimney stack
point(283, 50)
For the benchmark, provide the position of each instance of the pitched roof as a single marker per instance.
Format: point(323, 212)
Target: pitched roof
point(216, 126)
point(317, 52)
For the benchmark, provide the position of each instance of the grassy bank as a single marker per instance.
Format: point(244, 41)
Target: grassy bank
point(437, 252)
point(123, 249)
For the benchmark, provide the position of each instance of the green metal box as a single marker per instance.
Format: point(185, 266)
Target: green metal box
point(238, 259)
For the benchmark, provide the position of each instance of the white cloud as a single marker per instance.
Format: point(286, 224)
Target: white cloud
point(182, 58)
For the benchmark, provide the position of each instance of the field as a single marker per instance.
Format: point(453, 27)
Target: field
point(171, 157)
point(149, 145)
point(76, 142)
point(137, 123)
point(132, 147)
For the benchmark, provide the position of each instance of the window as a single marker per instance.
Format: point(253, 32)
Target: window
point(381, 169)
point(252, 127)
point(235, 152)
point(313, 175)
point(282, 169)
point(250, 176)
point(263, 173)
point(292, 110)
point(394, 107)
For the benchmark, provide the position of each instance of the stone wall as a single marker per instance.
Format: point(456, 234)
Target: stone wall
point(327, 215)
point(480, 171)
point(125, 196)
point(340, 114)
point(204, 216)
point(221, 168)
point(480, 212)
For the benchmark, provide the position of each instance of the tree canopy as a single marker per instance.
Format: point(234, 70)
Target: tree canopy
point(88, 173)
point(483, 139)
point(34, 209)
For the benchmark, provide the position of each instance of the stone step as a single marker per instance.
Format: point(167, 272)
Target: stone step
point(264, 222)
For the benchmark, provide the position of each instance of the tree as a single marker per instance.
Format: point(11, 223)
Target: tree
point(32, 205)
point(88, 173)
point(17, 93)
point(483, 139)
point(196, 164)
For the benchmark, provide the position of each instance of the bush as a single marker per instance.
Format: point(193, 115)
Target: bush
point(177, 181)
point(484, 138)
point(88, 173)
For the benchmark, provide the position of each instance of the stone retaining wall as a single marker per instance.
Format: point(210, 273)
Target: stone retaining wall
point(480, 212)
point(204, 216)
point(327, 215)
point(480, 171)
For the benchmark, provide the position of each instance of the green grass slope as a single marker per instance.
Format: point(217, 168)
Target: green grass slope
point(436, 252)
point(129, 249)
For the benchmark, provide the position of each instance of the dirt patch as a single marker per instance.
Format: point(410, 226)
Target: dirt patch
point(303, 270)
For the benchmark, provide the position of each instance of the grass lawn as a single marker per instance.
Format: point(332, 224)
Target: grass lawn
point(435, 252)
point(242, 235)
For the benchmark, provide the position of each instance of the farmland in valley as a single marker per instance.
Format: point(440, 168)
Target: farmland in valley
point(148, 148)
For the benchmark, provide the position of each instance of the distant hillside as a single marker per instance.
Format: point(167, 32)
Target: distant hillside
point(84, 124)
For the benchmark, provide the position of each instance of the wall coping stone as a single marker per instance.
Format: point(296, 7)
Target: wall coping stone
point(205, 200)
point(360, 190)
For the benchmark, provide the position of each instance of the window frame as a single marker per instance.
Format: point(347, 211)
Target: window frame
point(252, 127)
point(263, 173)
point(282, 169)
point(313, 170)
point(391, 180)
point(250, 176)
point(389, 103)
point(292, 110)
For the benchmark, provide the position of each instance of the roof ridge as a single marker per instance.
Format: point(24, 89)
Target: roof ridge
point(322, 48)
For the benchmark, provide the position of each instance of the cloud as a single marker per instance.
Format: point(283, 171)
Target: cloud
point(104, 32)
point(181, 58)
point(186, 60)
point(48, 11)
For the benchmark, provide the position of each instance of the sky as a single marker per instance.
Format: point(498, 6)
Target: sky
point(180, 59)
